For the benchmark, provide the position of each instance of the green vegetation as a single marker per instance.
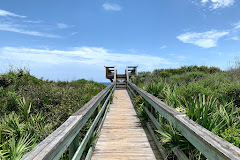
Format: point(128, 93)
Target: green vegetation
point(207, 95)
point(32, 108)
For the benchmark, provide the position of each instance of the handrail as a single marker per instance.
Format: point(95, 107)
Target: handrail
point(209, 144)
point(67, 135)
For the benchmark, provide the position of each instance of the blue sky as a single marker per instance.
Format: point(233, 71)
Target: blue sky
point(72, 39)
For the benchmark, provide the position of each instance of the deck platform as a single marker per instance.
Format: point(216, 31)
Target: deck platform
point(122, 136)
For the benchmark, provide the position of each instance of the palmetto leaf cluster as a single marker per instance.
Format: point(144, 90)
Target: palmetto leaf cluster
point(207, 95)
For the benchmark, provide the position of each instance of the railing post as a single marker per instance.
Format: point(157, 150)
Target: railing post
point(74, 146)
point(115, 74)
point(153, 111)
point(95, 112)
point(127, 74)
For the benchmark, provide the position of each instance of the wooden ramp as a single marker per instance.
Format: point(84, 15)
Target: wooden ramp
point(122, 136)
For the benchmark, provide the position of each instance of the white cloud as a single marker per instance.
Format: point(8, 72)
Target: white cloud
point(28, 21)
point(204, 1)
point(112, 7)
point(206, 39)
point(179, 57)
point(14, 28)
point(82, 55)
point(7, 13)
point(236, 25)
point(221, 3)
point(62, 26)
point(132, 50)
point(215, 4)
point(20, 26)
point(163, 47)
point(74, 33)
point(234, 38)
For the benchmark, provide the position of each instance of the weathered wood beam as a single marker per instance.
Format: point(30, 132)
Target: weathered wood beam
point(91, 149)
point(127, 73)
point(73, 146)
point(180, 155)
point(81, 148)
point(161, 149)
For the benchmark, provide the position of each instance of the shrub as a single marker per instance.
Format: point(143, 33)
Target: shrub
point(32, 108)
point(233, 92)
point(231, 134)
point(207, 95)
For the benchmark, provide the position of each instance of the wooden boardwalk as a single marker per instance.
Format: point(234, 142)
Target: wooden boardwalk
point(122, 136)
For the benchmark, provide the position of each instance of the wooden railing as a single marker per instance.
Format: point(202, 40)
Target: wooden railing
point(209, 144)
point(67, 135)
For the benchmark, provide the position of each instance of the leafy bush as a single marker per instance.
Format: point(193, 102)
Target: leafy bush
point(207, 95)
point(234, 92)
point(31, 108)
point(231, 134)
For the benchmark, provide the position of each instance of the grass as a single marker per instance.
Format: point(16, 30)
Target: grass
point(32, 108)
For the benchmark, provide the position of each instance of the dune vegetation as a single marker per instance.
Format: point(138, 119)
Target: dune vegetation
point(207, 95)
point(32, 108)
